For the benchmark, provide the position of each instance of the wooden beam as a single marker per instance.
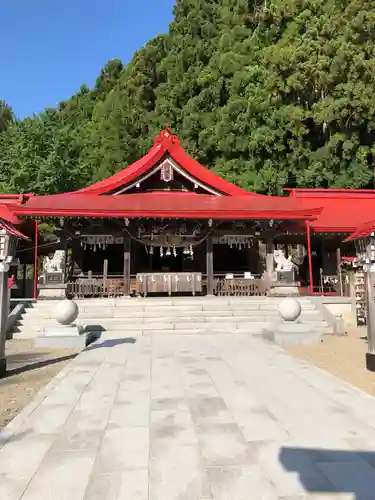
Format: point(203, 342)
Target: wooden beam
point(210, 265)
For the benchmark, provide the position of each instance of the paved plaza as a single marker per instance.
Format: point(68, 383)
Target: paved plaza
point(209, 417)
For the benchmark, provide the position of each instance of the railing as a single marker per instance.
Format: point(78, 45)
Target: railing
point(170, 283)
point(334, 285)
point(224, 285)
point(238, 286)
point(96, 287)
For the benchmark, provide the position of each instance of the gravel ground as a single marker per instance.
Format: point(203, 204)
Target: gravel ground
point(29, 370)
point(342, 356)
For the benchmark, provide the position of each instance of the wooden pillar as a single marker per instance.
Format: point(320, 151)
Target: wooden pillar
point(210, 265)
point(64, 246)
point(127, 257)
point(105, 276)
point(339, 273)
point(24, 271)
point(309, 256)
point(270, 260)
point(249, 259)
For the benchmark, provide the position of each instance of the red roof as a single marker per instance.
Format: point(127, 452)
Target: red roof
point(166, 144)
point(6, 213)
point(362, 231)
point(12, 231)
point(331, 210)
point(343, 209)
point(167, 204)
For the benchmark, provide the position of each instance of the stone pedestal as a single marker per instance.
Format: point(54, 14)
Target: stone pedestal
point(52, 291)
point(284, 290)
point(289, 330)
point(64, 331)
point(370, 294)
point(64, 337)
point(65, 334)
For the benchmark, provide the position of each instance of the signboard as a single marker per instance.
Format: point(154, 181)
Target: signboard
point(285, 276)
point(54, 278)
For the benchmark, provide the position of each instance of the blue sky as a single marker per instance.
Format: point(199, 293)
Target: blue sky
point(50, 47)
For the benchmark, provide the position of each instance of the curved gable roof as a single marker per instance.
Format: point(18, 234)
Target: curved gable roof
point(166, 144)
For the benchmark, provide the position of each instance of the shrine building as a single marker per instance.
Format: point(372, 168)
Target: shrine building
point(168, 225)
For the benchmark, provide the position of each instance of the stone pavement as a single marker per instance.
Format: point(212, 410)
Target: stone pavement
point(210, 417)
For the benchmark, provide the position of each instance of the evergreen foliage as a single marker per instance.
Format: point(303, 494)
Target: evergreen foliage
point(268, 93)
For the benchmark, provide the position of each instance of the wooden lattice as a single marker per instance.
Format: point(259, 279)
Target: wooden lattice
point(239, 287)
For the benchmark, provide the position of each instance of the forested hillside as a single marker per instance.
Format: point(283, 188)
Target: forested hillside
point(266, 92)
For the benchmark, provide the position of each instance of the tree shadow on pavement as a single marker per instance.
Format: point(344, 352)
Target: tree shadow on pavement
point(6, 437)
point(37, 365)
point(332, 472)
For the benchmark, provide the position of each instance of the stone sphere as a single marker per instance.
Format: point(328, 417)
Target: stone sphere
point(66, 312)
point(289, 309)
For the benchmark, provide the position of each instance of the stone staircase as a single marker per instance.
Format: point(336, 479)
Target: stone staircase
point(183, 315)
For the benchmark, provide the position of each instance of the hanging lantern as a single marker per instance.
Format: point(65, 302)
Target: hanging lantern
point(174, 251)
point(168, 252)
point(151, 250)
point(161, 251)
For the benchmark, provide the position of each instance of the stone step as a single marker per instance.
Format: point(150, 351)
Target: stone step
point(184, 302)
point(312, 318)
point(169, 315)
point(210, 320)
point(235, 324)
point(192, 308)
point(124, 313)
point(120, 311)
point(198, 328)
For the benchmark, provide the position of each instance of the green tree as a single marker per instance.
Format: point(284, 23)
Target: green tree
point(6, 116)
point(268, 93)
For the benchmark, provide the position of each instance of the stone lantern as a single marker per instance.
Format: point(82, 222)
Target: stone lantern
point(365, 249)
point(8, 245)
